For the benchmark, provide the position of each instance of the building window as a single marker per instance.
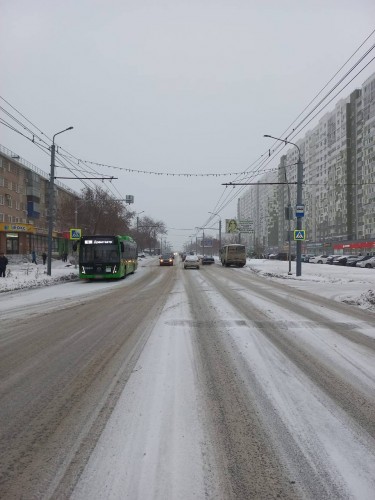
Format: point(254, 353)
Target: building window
point(1, 199)
point(8, 200)
point(2, 217)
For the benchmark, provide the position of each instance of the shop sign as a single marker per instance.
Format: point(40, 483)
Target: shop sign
point(17, 228)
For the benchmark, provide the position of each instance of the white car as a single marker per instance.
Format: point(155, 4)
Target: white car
point(191, 261)
point(318, 259)
point(367, 263)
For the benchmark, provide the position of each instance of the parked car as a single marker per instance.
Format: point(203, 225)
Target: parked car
point(191, 261)
point(367, 263)
point(165, 260)
point(306, 257)
point(282, 256)
point(206, 259)
point(340, 260)
point(318, 259)
point(330, 259)
point(362, 259)
point(352, 260)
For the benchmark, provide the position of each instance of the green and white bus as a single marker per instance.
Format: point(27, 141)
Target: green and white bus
point(107, 257)
point(233, 255)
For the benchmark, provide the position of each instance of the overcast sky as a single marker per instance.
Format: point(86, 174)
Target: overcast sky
point(171, 86)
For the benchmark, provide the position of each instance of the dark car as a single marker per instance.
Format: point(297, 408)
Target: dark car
point(284, 256)
point(166, 260)
point(330, 259)
point(306, 257)
point(352, 260)
point(340, 260)
point(206, 259)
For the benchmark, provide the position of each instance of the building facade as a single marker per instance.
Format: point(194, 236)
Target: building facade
point(338, 157)
point(24, 207)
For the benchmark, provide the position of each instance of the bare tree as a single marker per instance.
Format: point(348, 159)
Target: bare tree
point(147, 231)
point(96, 212)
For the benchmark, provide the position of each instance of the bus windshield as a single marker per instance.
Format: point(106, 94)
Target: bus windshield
point(99, 253)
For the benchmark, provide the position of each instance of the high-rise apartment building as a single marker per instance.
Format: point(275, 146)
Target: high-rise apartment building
point(338, 181)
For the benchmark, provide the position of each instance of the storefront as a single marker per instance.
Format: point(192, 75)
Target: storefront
point(16, 238)
point(355, 247)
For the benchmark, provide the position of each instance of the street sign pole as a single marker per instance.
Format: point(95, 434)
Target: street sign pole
point(299, 219)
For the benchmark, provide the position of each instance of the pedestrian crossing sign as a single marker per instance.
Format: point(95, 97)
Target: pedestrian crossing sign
point(299, 235)
point(75, 234)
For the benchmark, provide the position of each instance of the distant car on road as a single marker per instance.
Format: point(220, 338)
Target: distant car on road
point(191, 261)
point(166, 260)
point(206, 259)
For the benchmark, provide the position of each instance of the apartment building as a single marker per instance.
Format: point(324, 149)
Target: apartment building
point(24, 207)
point(338, 181)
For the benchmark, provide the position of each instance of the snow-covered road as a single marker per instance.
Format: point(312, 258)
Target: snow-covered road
point(243, 396)
point(251, 384)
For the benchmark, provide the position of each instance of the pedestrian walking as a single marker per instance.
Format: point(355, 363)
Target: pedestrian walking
point(33, 257)
point(44, 257)
point(3, 264)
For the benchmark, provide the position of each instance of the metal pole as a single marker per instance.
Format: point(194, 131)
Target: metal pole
point(299, 201)
point(289, 225)
point(51, 202)
point(217, 215)
point(289, 239)
point(299, 219)
point(219, 235)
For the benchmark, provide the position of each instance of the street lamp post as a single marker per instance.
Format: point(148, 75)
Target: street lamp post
point(139, 213)
point(299, 201)
point(51, 201)
point(217, 215)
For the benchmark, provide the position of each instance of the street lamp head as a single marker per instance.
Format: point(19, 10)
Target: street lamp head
point(285, 141)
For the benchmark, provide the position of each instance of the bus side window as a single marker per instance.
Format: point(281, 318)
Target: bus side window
point(122, 247)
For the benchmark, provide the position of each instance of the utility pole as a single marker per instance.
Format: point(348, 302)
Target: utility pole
point(51, 202)
point(299, 201)
point(299, 219)
point(217, 215)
